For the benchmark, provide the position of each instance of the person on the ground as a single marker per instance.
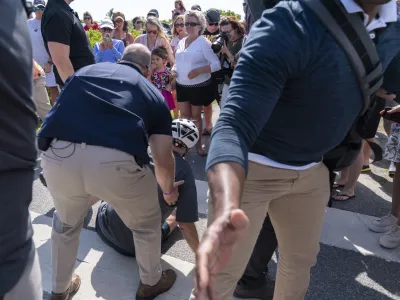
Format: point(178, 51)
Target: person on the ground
point(65, 40)
point(179, 8)
point(213, 17)
point(154, 13)
point(121, 29)
point(196, 7)
point(155, 37)
point(291, 51)
point(161, 76)
point(40, 54)
point(195, 61)
point(20, 274)
point(109, 49)
point(89, 23)
point(114, 232)
point(102, 154)
point(230, 51)
point(138, 24)
point(40, 93)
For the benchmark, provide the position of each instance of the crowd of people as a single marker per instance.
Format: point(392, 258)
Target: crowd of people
point(108, 136)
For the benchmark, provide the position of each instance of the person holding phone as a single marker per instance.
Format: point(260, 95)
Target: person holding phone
point(108, 50)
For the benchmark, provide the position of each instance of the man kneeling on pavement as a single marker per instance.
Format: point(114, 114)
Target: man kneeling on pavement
point(102, 153)
point(117, 235)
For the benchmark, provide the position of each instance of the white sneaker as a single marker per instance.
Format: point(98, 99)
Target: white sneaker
point(392, 169)
point(391, 239)
point(383, 224)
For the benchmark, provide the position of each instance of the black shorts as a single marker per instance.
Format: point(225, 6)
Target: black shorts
point(202, 94)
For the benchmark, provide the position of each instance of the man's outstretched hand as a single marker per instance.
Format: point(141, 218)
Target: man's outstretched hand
point(215, 250)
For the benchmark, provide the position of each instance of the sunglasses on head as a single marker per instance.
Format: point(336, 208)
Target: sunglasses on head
point(191, 24)
point(213, 24)
point(179, 25)
point(151, 31)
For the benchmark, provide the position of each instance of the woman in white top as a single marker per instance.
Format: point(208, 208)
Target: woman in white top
point(195, 61)
point(178, 31)
point(155, 37)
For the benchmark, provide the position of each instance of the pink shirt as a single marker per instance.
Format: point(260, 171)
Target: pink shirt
point(142, 39)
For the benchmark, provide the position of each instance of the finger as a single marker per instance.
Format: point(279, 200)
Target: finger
point(179, 183)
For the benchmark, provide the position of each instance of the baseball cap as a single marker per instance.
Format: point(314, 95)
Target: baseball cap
point(196, 7)
point(213, 16)
point(153, 12)
point(39, 3)
point(106, 23)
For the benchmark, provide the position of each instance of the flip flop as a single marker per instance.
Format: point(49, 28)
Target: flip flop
point(337, 186)
point(346, 197)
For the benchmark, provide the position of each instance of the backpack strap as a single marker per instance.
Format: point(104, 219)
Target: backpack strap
point(349, 32)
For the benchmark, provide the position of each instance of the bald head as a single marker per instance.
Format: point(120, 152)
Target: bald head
point(137, 54)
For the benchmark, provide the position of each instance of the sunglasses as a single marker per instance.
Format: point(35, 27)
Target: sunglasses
point(226, 32)
point(191, 24)
point(87, 18)
point(213, 24)
point(39, 8)
point(118, 21)
point(106, 29)
point(179, 25)
point(151, 31)
point(137, 23)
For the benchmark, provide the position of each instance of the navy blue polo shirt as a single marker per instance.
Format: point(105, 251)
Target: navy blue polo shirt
point(109, 105)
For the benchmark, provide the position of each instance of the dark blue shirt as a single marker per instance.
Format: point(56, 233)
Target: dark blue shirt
point(293, 95)
point(109, 105)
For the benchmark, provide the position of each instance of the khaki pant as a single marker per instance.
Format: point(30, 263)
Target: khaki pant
point(41, 97)
point(77, 172)
point(29, 285)
point(295, 202)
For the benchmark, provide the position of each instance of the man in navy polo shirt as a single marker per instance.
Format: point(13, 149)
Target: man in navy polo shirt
point(102, 153)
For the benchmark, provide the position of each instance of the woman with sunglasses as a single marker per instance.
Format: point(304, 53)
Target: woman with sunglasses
point(178, 31)
point(121, 29)
point(138, 24)
point(155, 37)
point(108, 50)
point(89, 24)
point(195, 61)
point(40, 54)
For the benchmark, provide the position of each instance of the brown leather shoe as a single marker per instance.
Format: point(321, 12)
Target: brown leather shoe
point(147, 292)
point(73, 288)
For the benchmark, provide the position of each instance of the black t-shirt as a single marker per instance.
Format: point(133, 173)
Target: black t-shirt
point(61, 25)
point(18, 121)
point(113, 231)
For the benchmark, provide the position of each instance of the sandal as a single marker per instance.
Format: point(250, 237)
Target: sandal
point(345, 197)
point(202, 152)
point(337, 186)
point(207, 132)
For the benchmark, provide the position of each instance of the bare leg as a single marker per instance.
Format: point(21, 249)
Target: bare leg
point(344, 176)
point(176, 110)
point(208, 112)
point(54, 94)
point(196, 116)
point(190, 234)
point(186, 110)
point(354, 173)
point(366, 153)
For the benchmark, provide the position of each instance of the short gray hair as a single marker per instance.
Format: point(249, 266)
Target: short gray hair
point(200, 18)
point(137, 54)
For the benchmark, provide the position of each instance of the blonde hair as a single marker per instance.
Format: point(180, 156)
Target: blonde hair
point(154, 21)
point(174, 32)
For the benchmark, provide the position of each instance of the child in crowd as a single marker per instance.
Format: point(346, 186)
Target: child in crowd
point(179, 8)
point(161, 76)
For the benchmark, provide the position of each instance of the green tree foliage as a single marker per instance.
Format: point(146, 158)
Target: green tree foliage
point(110, 13)
point(94, 36)
point(229, 13)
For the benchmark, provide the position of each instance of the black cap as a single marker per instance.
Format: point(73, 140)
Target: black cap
point(196, 7)
point(153, 12)
point(213, 16)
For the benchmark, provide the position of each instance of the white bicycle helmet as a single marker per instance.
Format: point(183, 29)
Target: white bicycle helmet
point(185, 131)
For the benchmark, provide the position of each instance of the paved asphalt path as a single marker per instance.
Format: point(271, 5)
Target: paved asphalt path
point(339, 274)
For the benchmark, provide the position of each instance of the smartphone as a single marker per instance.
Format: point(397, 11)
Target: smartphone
point(395, 117)
point(107, 38)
